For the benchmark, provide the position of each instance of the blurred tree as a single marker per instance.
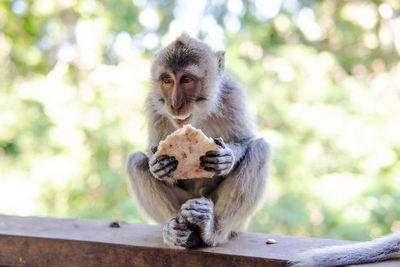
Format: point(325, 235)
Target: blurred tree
point(323, 78)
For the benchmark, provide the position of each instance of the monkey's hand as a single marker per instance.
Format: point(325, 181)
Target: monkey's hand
point(162, 167)
point(219, 161)
point(200, 212)
point(177, 232)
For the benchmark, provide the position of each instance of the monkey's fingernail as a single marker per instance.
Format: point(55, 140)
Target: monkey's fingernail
point(160, 158)
point(219, 141)
point(201, 158)
point(209, 169)
point(212, 153)
point(154, 149)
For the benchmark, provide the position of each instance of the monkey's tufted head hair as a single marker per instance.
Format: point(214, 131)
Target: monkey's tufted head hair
point(186, 51)
point(183, 53)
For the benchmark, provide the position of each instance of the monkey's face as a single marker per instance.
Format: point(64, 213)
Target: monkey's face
point(185, 75)
point(181, 92)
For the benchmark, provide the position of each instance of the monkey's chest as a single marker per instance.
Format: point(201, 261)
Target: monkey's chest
point(200, 187)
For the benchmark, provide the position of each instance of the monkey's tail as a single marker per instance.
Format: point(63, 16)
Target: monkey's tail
point(384, 248)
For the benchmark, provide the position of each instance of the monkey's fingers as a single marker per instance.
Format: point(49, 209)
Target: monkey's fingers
point(158, 166)
point(176, 234)
point(156, 159)
point(167, 170)
point(180, 227)
point(181, 220)
point(195, 217)
point(198, 211)
point(157, 163)
point(217, 159)
point(216, 167)
point(200, 204)
point(162, 166)
point(198, 208)
point(219, 153)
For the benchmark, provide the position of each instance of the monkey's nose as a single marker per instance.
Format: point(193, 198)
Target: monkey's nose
point(177, 108)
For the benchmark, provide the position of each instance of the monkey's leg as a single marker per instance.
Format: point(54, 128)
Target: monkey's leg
point(236, 198)
point(161, 201)
point(157, 199)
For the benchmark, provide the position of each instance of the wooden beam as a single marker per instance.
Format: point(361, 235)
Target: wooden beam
point(33, 241)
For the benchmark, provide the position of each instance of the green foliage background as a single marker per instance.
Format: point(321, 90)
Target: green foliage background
point(323, 78)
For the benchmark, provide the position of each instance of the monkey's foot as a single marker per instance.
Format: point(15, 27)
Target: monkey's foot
point(177, 232)
point(199, 212)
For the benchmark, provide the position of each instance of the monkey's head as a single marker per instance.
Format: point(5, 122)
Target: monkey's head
point(185, 77)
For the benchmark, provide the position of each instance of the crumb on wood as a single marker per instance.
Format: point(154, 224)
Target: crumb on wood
point(271, 241)
point(115, 224)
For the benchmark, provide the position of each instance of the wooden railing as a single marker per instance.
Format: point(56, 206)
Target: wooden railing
point(33, 241)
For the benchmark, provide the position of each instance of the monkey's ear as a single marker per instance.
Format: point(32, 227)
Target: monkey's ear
point(221, 60)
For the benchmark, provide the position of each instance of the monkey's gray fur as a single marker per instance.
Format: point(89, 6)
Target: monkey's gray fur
point(384, 248)
point(200, 211)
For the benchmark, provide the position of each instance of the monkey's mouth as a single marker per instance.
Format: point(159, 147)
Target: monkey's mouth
point(182, 119)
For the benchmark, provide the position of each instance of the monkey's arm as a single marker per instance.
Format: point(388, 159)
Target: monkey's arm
point(236, 198)
point(158, 199)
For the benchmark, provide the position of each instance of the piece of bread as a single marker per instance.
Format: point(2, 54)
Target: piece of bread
point(187, 145)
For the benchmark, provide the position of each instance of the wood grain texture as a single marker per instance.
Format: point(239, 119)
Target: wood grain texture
point(33, 241)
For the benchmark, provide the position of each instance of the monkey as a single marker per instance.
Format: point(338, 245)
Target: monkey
point(380, 249)
point(189, 84)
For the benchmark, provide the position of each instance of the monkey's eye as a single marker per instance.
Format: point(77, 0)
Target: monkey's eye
point(185, 79)
point(166, 80)
point(200, 99)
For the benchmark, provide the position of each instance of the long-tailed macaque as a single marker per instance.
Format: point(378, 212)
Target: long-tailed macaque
point(384, 248)
point(190, 85)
